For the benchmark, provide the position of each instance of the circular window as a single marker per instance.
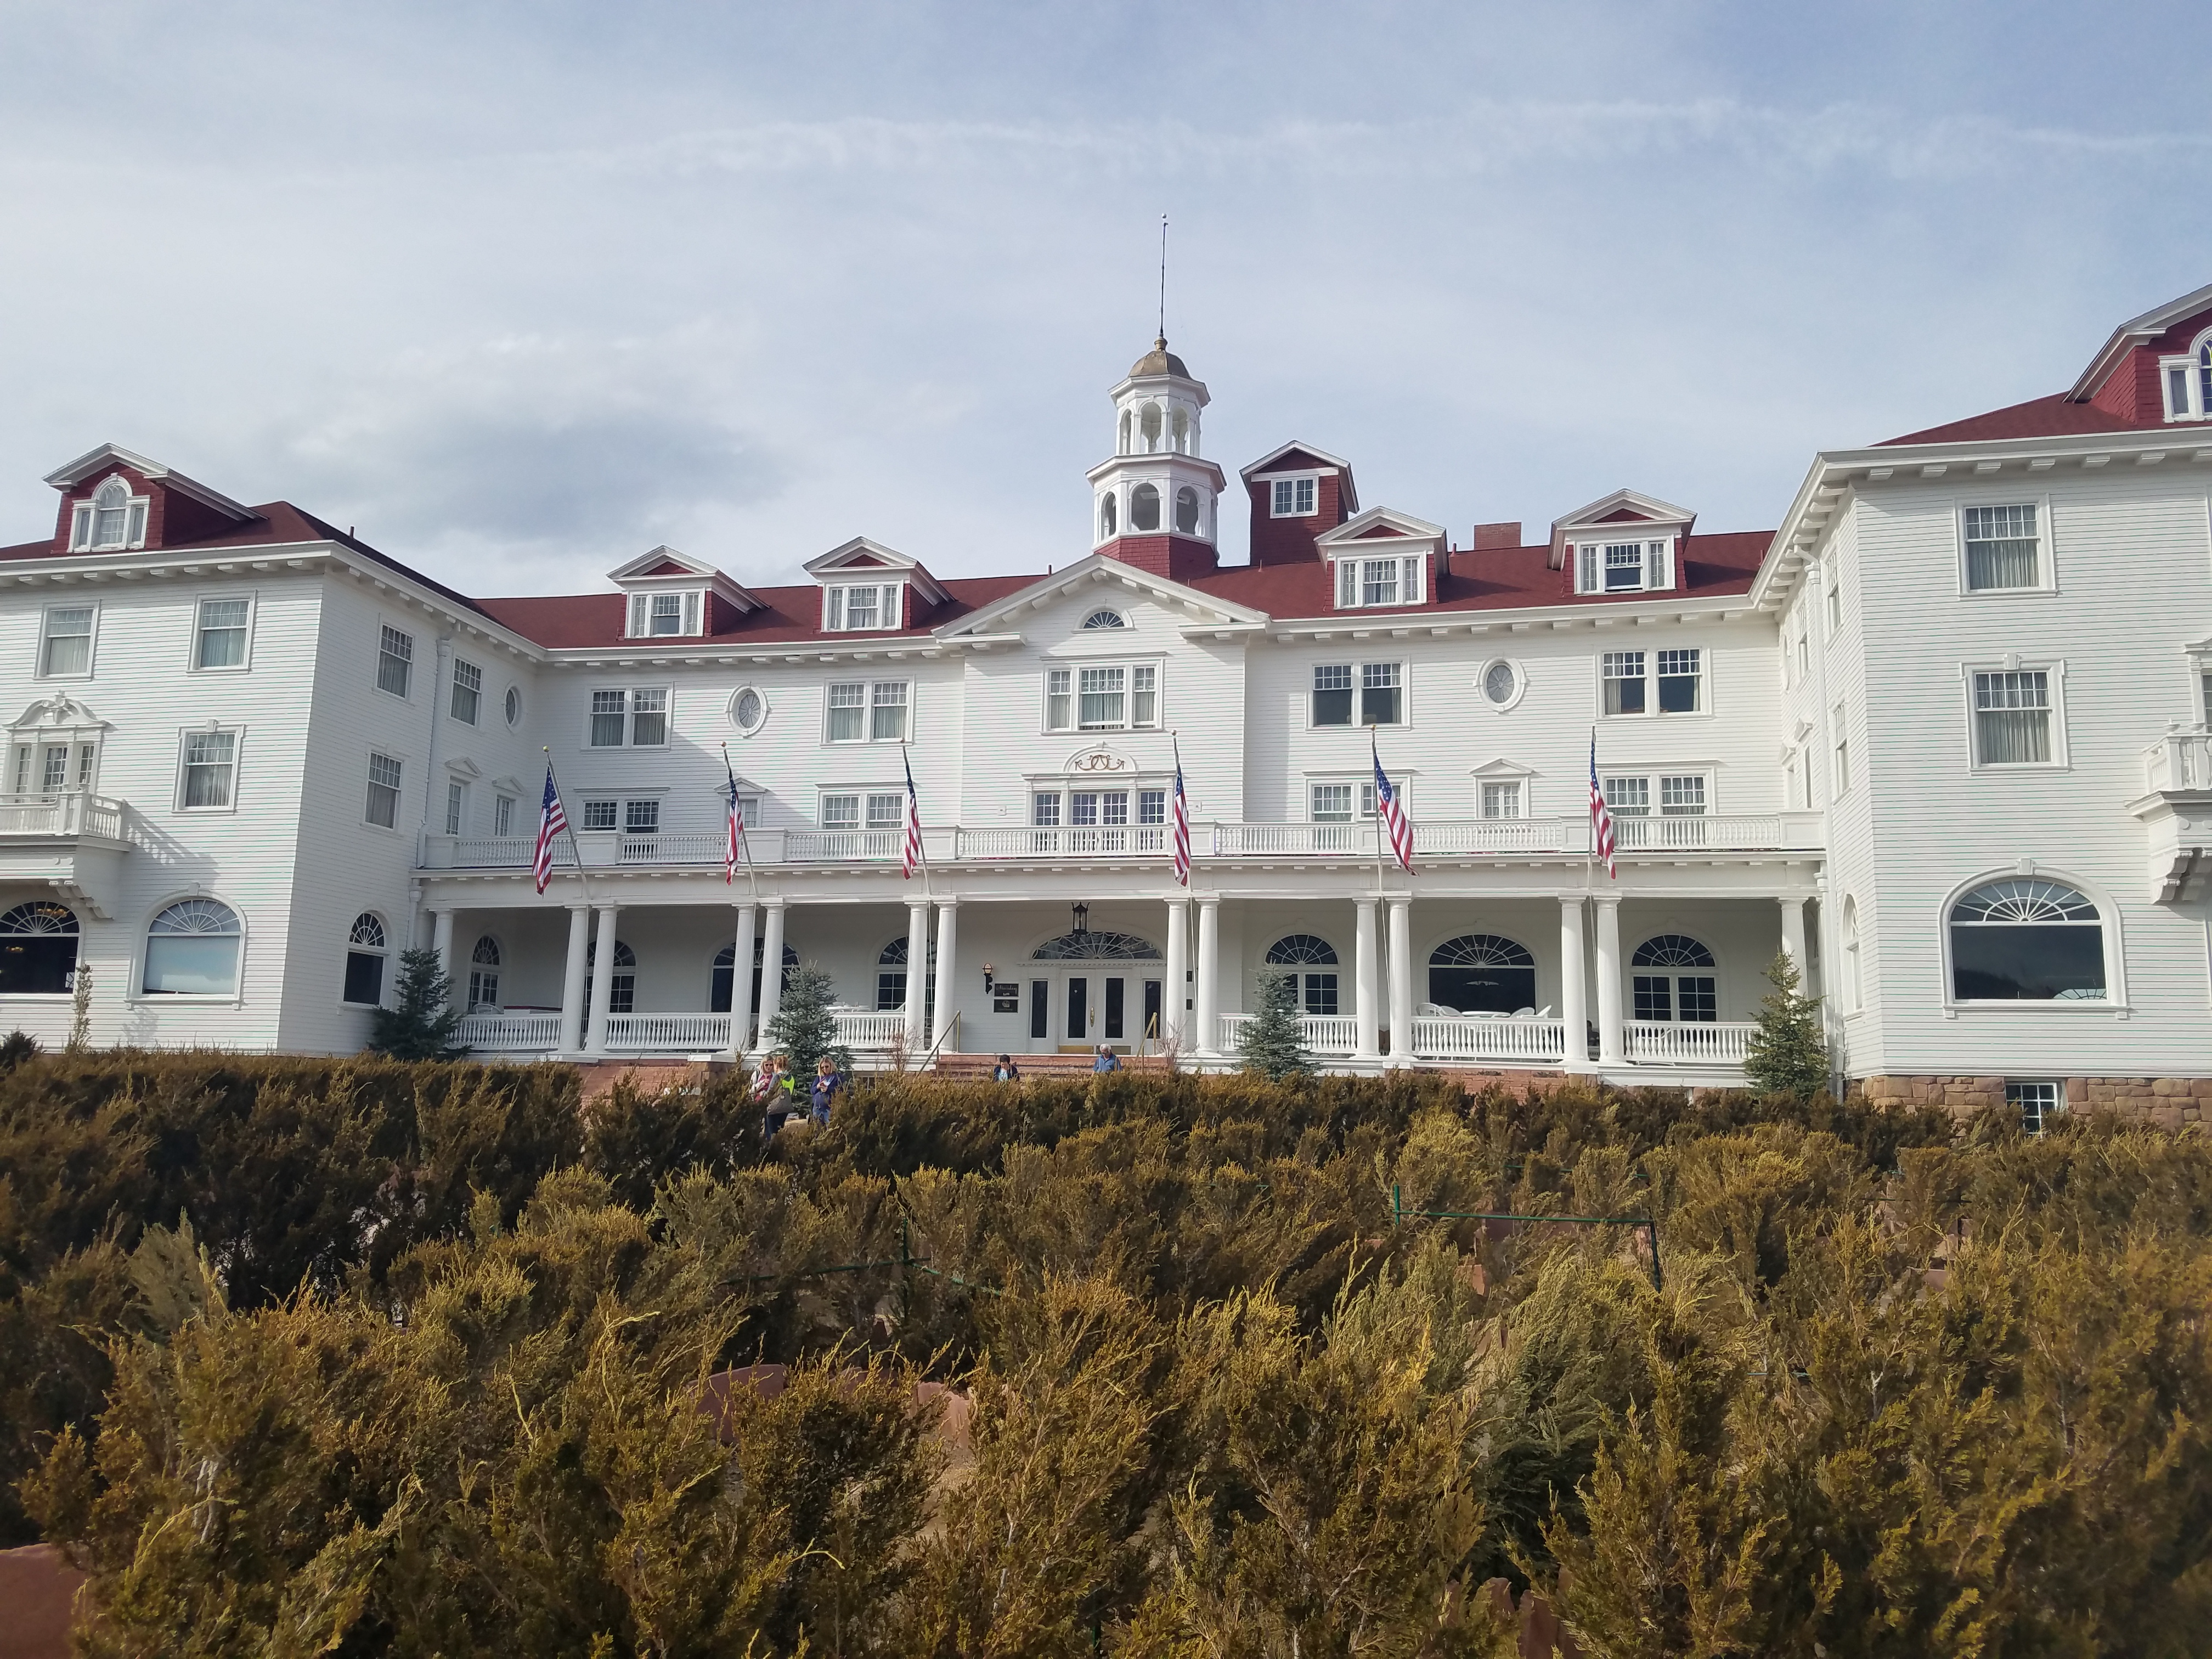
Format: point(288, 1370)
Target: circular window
point(514, 704)
point(748, 710)
point(1501, 684)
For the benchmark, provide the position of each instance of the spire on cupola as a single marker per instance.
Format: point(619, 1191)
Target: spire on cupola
point(1154, 503)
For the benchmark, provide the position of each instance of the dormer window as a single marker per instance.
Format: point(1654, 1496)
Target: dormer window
point(2188, 383)
point(852, 609)
point(113, 520)
point(1612, 567)
point(1362, 581)
point(664, 616)
point(1297, 498)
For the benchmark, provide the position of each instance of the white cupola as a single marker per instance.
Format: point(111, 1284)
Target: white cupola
point(1157, 491)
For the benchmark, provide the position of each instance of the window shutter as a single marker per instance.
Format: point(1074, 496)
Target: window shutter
point(832, 610)
point(1586, 570)
point(1347, 584)
point(1411, 590)
point(637, 623)
point(1658, 572)
point(690, 613)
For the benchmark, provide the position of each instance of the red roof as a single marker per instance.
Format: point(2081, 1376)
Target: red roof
point(594, 621)
point(1492, 579)
point(2039, 417)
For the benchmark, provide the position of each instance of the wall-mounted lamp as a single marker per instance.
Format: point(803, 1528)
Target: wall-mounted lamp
point(987, 978)
point(1082, 918)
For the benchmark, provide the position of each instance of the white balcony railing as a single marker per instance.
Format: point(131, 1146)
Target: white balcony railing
point(667, 1034)
point(864, 1029)
point(69, 813)
point(1686, 1043)
point(1325, 1034)
point(1541, 1042)
point(953, 844)
point(510, 1031)
point(2182, 759)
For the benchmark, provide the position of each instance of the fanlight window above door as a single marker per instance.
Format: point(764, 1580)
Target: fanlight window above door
point(1096, 946)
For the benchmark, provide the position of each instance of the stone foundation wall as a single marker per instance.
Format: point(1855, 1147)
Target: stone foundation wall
point(2167, 1102)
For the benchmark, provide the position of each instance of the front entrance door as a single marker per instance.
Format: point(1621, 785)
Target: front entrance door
point(1095, 1008)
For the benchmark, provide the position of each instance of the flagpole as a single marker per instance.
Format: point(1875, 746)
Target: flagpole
point(921, 842)
point(568, 828)
point(1589, 811)
point(1181, 803)
point(1375, 765)
point(744, 840)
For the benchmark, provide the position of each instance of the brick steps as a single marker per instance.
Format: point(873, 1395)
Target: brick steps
point(979, 1065)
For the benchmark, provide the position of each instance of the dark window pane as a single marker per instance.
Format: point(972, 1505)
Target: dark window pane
point(1040, 990)
point(1115, 992)
point(2024, 963)
point(36, 966)
point(1332, 708)
point(1379, 705)
point(364, 978)
point(1483, 990)
point(1654, 997)
point(1697, 995)
point(1677, 693)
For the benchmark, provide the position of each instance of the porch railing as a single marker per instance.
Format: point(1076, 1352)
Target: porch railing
point(951, 844)
point(500, 1031)
point(1325, 1034)
point(871, 1028)
point(1542, 1041)
point(1687, 1042)
point(71, 812)
point(667, 1034)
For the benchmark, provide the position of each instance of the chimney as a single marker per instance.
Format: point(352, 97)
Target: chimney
point(1488, 536)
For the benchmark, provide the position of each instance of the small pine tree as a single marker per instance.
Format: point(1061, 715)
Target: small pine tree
point(420, 1022)
point(1273, 1041)
point(806, 1022)
point(1787, 1054)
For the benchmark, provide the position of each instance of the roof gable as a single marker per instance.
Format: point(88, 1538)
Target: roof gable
point(1203, 610)
point(1294, 457)
point(1383, 523)
point(861, 554)
point(110, 457)
point(1621, 506)
point(2138, 331)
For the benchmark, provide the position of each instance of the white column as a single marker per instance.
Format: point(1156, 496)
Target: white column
point(1174, 1018)
point(917, 976)
point(1368, 1022)
point(442, 941)
point(1402, 980)
point(771, 972)
point(572, 982)
point(948, 935)
point(603, 980)
point(1573, 1007)
point(1207, 1015)
point(1793, 931)
point(741, 981)
point(1608, 982)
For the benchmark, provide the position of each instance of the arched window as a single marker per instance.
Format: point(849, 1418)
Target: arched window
point(1108, 527)
point(2025, 940)
point(1122, 447)
point(37, 950)
point(1104, 619)
point(483, 973)
point(1854, 985)
point(621, 984)
point(1097, 944)
point(1145, 508)
point(1482, 973)
point(1148, 422)
point(723, 977)
point(1179, 431)
point(1187, 511)
point(366, 949)
point(1678, 982)
point(891, 981)
point(191, 950)
point(1309, 952)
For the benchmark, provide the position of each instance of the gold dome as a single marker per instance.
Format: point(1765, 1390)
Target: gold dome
point(1158, 361)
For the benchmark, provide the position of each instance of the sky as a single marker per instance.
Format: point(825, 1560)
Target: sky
point(520, 292)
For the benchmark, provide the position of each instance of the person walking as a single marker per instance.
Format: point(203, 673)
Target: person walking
point(1105, 1062)
point(828, 1081)
point(1006, 1070)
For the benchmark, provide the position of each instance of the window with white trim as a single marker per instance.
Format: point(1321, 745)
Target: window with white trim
point(2014, 717)
point(2026, 939)
point(113, 520)
point(1839, 770)
point(1835, 601)
point(636, 718)
point(1396, 581)
point(192, 949)
point(65, 643)
point(219, 633)
point(381, 806)
point(207, 774)
point(468, 691)
point(1345, 802)
point(1626, 685)
point(502, 815)
point(1502, 800)
point(2036, 1102)
point(1622, 567)
point(2186, 380)
point(395, 660)
point(851, 609)
point(1622, 672)
point(483, 973)
point(1678, 794)
point(365, 951)
point(457, 806)
point(1381, 698)
point(2003, 546)
point(1295, 498)
point(1102, 697)
point(666, 616)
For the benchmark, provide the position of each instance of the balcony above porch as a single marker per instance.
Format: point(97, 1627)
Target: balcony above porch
point(2177, 811)
point(71, 842)
point(1254, 843)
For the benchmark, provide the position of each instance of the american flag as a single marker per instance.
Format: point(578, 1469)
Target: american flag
point(732, 848)
point(910, 850)
point(1391, 811)
point(1182, 829)
point(551, 822)
point(1600, 816)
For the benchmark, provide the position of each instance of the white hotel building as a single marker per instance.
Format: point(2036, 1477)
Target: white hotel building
point(1942, 736)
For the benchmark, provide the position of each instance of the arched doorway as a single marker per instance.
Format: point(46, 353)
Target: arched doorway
point(1482, 973)
point(1089, 988)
